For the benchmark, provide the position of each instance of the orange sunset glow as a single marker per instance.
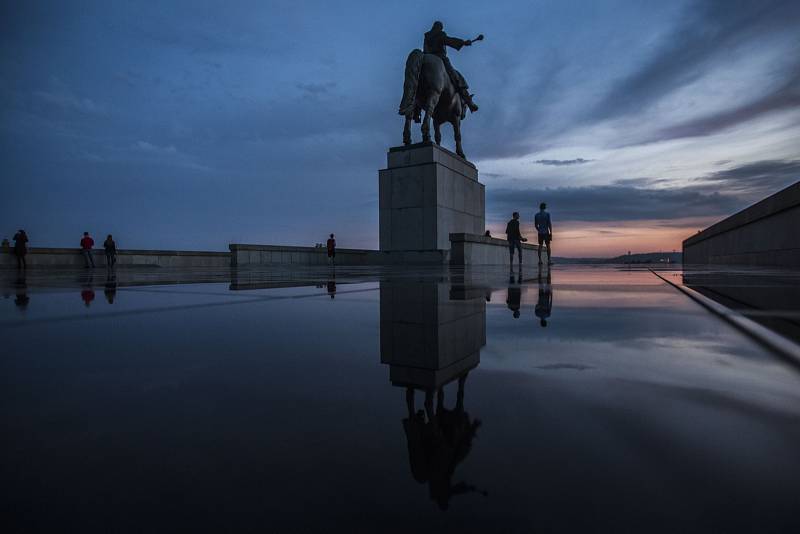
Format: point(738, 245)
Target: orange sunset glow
point(606, 239)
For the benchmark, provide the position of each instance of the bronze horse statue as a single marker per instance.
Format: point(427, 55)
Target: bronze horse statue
point(428, 88)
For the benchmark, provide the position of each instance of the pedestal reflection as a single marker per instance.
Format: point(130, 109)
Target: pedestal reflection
point(431, 336)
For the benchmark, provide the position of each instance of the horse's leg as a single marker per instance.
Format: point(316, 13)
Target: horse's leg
point(426, 127)
point(457, 135)
point(407, 131)
point(431, 102)
point(437, 132)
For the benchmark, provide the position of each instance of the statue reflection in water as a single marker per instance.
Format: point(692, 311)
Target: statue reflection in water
point(439, 441)
point(431, 336)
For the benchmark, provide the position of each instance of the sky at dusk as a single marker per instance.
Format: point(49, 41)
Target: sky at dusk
point(191, 125)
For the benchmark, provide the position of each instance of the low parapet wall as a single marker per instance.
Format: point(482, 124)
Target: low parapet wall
point(470, 249)
point(243, 255)
point(466, 249)
point(766, 234)
point(72, 257)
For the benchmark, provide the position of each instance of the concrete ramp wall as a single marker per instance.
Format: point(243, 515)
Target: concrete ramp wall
point(766, 233)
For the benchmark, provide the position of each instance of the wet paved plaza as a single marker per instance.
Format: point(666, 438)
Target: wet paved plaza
point(395, 400)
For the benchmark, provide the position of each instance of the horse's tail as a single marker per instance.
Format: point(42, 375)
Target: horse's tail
point(413, 70)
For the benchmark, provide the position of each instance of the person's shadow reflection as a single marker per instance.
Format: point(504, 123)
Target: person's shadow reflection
point(438, 441)
point(332, 288)
point(544, 305)
point(21, 298)
point(514, 294)
point(110, 289)
point(87, 291)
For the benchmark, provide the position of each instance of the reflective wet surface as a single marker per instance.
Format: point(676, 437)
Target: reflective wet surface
point(367, 400)
point(770, 297)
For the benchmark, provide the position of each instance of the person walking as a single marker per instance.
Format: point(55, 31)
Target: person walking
point(21, 248)
point(111, 251)
point(86, 249)
point(545, 230)
point(514, 238)
point(331, 244)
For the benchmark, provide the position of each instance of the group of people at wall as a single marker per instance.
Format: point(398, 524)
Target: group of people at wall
point(109, 246)
point(21, 249)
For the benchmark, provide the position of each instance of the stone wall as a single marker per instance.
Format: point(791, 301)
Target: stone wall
point(243, 255)
point(72, 257)
point(766, 233)
point(468, 249)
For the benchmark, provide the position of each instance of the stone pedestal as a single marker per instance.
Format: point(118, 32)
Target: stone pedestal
point(426, 193)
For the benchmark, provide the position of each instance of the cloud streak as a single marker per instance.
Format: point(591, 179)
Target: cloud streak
point(716, 194)
point(562, 162)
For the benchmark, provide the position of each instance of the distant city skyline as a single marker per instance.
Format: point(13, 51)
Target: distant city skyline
point(191, 125)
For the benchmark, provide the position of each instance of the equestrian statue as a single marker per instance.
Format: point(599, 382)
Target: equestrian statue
point(432, 85)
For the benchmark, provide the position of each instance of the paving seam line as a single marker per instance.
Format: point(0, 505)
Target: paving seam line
point(772, 340)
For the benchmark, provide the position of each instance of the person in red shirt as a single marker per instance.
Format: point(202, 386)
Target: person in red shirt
point(86, 249)
point(332, 250)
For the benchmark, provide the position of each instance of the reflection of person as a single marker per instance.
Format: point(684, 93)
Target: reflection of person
point(21, 290)
point(545, 303)
point(87, 291)
point(438, 445)
point(87, 294)
point(332, 288)
point(545, 230)
point(21, 248)
point(110, 290)
point(514, 297)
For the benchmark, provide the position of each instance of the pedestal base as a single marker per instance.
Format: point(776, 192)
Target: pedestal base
point(425, 194)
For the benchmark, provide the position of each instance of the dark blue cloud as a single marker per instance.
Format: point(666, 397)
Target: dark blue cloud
point(716, 194)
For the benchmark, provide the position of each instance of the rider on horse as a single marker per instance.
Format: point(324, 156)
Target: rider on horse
point(436, 43)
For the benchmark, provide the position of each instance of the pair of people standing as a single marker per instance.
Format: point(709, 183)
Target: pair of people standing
point(544, 229)
point(110, 249)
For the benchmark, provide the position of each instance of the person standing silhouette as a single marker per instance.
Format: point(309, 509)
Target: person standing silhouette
point(331, 244)
point(111, 251)
point(21, 248)
point(545, 230)
point(86, 249)
point(514, 238)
